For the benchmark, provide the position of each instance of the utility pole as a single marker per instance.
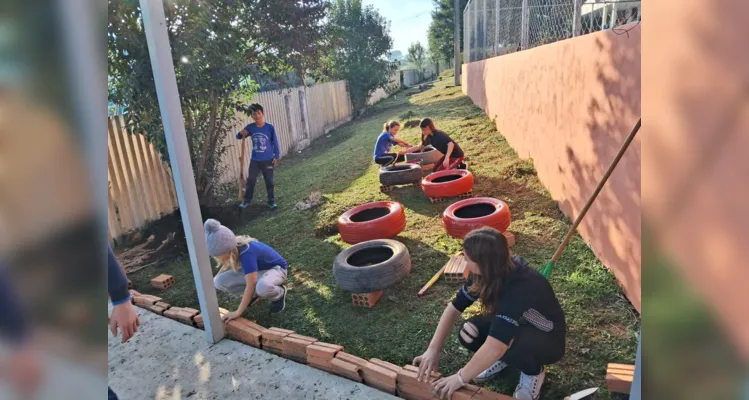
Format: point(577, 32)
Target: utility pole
point(456, 40)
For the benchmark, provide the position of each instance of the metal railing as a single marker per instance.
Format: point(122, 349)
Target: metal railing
point(497, 27)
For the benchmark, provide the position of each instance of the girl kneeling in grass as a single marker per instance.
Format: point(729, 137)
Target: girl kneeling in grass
point(247, 266)
point(385, 141)
point(522, 324)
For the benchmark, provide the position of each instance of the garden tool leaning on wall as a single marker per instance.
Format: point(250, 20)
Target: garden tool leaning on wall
point(241, 169)
point(546, 270)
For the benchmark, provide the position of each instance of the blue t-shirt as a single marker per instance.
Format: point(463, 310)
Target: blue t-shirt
point(384, 142)
point(264, 142)
point(258, 256)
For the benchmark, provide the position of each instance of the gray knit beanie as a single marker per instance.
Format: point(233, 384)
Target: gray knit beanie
point(220, 239)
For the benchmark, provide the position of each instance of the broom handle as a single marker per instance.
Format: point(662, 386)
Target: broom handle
point(241, 167)
point(432, 281)
point(579, 218)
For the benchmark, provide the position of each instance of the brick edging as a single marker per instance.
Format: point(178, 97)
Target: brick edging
point(328, 357)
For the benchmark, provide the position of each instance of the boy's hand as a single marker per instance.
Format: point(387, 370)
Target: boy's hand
point(275, 161)
point(125, 319)
point(230, 316)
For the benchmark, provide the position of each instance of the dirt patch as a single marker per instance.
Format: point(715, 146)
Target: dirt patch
point(326, 231)
point(411, 124)
point(519, 169)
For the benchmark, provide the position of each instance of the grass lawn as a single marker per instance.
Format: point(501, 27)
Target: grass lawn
point(602, 324)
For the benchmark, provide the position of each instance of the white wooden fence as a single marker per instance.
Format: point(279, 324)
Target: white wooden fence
point(141, 187)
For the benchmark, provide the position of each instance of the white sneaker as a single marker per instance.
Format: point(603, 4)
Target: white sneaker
point(529, 387)
point(496, 368)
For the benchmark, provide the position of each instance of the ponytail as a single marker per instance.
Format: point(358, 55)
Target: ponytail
point(390, 124)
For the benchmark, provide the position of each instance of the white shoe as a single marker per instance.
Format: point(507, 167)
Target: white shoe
point(495, 369)
point(529, 387)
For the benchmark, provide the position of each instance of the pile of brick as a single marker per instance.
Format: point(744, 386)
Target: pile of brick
point(163, 281)
point(367, 300)
point(376, 373)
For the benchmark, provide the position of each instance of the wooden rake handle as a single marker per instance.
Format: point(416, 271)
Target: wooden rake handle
point(592, 198)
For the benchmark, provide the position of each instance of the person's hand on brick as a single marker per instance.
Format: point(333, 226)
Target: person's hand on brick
point(445, 387)
point(230, 316)
point(125, 319)
point(427, 362)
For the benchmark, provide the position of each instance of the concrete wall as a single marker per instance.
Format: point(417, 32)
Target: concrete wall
point(568, 106)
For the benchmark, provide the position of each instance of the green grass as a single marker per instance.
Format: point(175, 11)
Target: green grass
point(602, 324)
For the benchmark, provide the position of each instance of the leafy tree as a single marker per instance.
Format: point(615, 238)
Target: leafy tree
point(217, 47)
point(358, 46)
point(441, 29)
point(417, 56)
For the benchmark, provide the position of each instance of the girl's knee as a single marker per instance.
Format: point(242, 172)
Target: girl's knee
point(468, 336)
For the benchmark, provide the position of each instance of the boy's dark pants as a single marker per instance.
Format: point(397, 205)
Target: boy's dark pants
point(389, 159)
point(530, 350)
point(256, 167)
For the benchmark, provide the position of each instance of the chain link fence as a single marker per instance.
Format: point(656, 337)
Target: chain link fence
point(497, 27)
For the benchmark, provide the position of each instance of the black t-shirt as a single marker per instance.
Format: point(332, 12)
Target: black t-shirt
point(439, 140)
point(526, 298)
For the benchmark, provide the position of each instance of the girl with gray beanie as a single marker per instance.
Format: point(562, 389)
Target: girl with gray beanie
point(247, 266)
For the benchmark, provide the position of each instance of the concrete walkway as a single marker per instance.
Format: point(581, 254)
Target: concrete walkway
point(169, 360)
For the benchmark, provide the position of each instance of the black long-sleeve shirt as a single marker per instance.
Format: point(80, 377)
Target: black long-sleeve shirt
point(526, 298)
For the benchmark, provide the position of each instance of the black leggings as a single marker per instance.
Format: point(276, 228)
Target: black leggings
point(530, 350)
point(388, 159)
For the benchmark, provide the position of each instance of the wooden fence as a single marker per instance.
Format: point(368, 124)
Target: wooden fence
point(141, 187)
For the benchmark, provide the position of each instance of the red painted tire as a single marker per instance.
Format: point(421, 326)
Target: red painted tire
point(466, 215)
point(377, 220)
point(450, 183)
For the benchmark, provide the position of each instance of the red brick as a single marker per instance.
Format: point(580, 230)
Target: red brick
point(163, 305)
point(239, 330)
point(301, 337)
point(320, 363)
point(379, 377)
point(413, 368)
point(134, 292)
point(346, 369)
point(330, 345)
point(385, 364)
point(367, 300)
point(162, 281)
point(410, 377)
point(156, 309)
point(351, 359)
point(318, 350)
point(510, 238)
point(463, 394)
point(145, 300)
point(411, 393)
point(619, 377)
point(199, 318)
point(296, 349)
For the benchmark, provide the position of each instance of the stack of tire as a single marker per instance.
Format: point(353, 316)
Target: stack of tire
point(375, 261)
point(404, 174)
point(426, 158)
point(466, 215)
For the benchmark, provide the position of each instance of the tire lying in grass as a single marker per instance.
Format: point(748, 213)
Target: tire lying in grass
point(371, 266)
point(466, 215)
point(403, 174)
point(450, 183)
point(430, 155)
point(378, 220)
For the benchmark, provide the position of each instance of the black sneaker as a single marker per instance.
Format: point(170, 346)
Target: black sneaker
point(279, 305)
point(244, 204)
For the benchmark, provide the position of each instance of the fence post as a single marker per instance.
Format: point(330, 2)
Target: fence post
point(485, 48)
point(305, 117)
point(576, 15)
point(524, 26)
point(612, 22)
point(290, 121)
point(456, 43)
point(496, 27)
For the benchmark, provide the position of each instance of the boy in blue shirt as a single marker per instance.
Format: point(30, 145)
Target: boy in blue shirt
point(247, 266)
point(265, 155)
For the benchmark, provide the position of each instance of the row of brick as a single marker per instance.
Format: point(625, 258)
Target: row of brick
point(376, 373)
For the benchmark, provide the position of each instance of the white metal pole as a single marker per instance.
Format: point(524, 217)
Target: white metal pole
point(154, 24)
point(636, 390)
point(456, 43)
point(576, 22)
point(496, 27)
point(485, 48)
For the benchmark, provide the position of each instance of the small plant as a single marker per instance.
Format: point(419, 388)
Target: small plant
point(407, 115)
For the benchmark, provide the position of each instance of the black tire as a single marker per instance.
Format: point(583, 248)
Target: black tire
point(371, 266)
point(430, 155)
point(403, 174)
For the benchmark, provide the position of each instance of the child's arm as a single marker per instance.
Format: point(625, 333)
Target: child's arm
point(401, 142)
point(249, 292)
point(276, 146)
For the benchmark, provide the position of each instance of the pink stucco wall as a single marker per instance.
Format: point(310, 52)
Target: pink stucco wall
point(569, 106)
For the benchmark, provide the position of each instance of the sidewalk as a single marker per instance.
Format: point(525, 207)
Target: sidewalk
point(169, 360)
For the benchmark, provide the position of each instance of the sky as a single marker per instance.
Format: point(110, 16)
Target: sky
point(409, 20)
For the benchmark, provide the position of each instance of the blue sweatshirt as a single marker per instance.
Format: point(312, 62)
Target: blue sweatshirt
point(116, 280)
point(264, 142)
point(384, 142)
point(258, 256)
